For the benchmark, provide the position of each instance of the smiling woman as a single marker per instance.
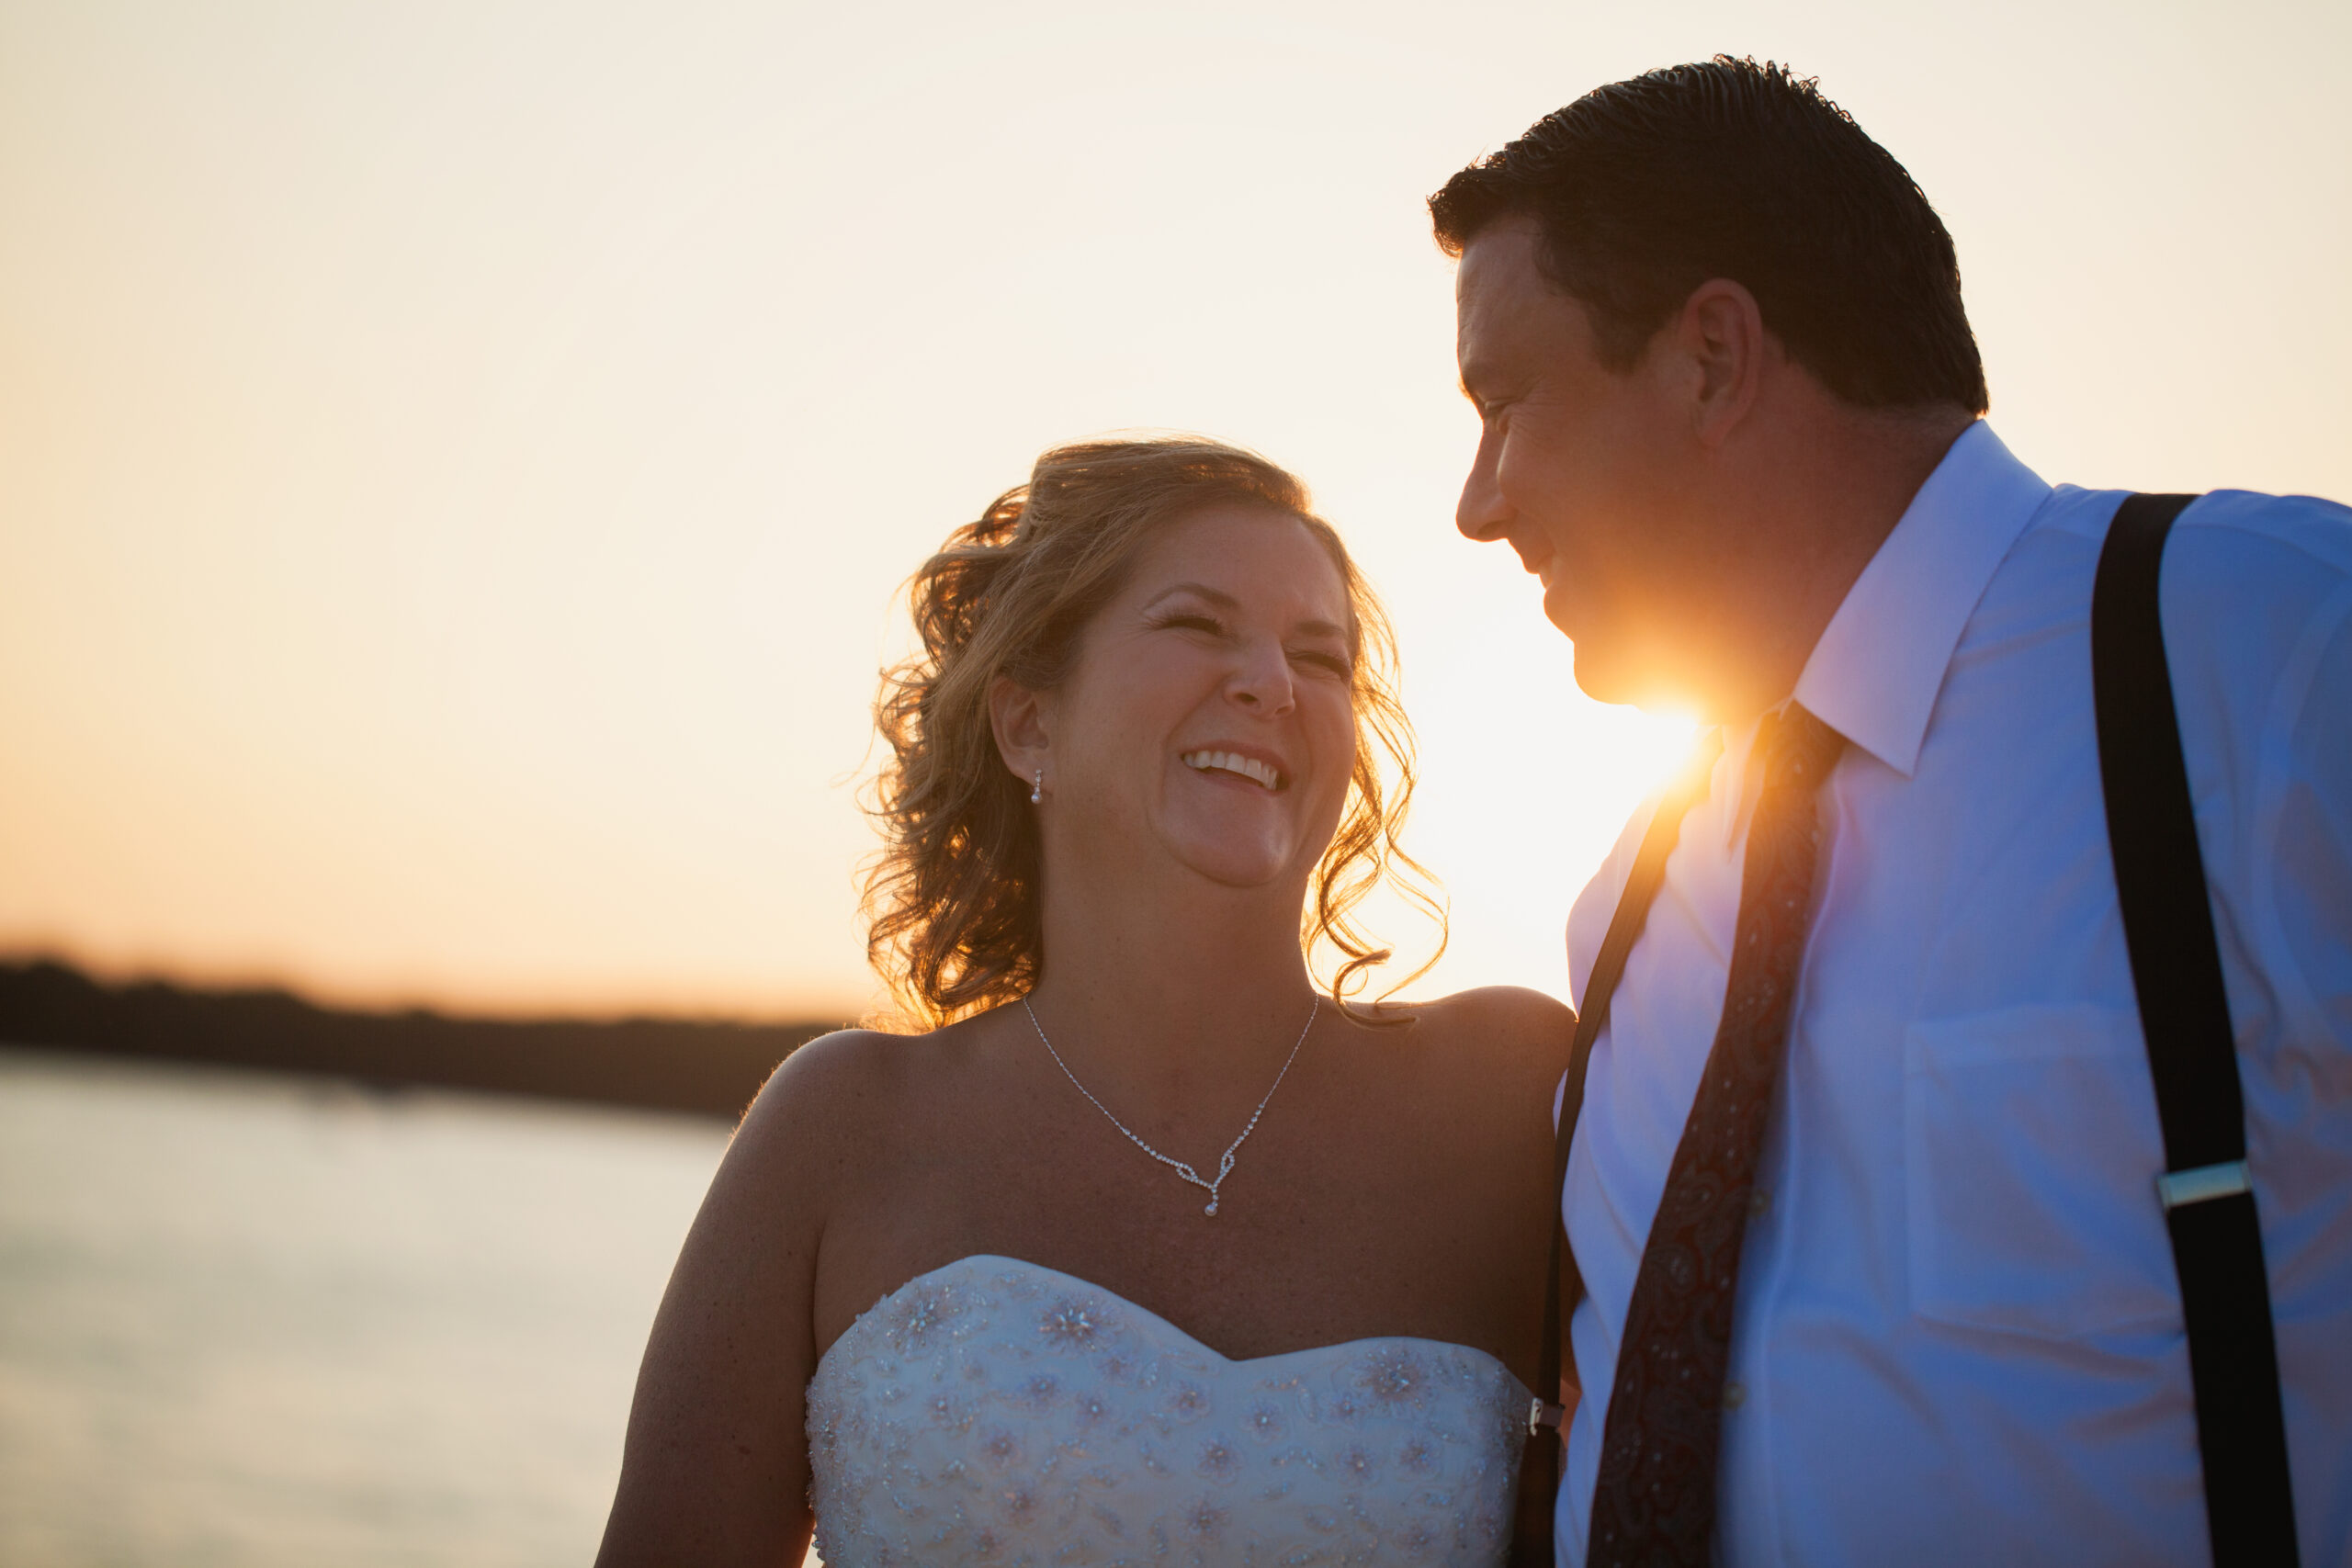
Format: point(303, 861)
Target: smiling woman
point(954, 897)
point(1146, 1192)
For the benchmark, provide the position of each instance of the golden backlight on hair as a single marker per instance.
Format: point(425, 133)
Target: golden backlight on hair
point(954, 897)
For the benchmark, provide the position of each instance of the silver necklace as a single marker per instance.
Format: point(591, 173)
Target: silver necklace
point(1225, 1162)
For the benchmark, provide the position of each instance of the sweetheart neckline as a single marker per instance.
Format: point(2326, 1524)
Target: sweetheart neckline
point(1141, 1311)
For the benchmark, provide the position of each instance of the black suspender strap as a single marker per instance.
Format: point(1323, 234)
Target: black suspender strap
point(2185, 1015)
point(1539, 1472)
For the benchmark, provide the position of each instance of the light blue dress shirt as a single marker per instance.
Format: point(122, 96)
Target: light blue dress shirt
point(1959, 1334)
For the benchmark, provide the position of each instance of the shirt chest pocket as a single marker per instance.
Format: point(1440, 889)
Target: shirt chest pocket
point(2031, 1149)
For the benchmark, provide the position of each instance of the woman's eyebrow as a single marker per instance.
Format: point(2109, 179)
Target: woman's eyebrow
point(1216, 596)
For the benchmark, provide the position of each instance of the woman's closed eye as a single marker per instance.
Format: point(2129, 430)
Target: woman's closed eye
point(1189, 620)
point(1336, 663)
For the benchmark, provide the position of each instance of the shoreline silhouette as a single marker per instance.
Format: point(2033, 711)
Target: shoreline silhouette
point(697, 1066)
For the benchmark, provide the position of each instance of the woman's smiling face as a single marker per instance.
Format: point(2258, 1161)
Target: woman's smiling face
point(1210, 711)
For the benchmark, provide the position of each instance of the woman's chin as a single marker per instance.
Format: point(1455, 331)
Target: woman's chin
point(1240, 866)
point(1248, 847)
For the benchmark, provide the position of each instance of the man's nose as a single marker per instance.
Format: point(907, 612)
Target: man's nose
point(1482, 513)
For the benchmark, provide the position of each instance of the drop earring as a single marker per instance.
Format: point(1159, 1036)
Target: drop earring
point(1037, 790)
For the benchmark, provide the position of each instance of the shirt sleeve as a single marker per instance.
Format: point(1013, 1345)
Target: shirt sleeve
point(2293, 1008)
point(2309, 807)
point(2257, 609)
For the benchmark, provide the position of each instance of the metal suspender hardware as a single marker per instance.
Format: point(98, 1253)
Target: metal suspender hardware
point(2203, 1185)
point(2192, 1055)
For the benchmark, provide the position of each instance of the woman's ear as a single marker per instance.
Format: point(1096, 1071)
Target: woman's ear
point(1022, 726)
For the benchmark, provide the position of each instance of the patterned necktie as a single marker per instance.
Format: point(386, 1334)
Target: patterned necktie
point(1654, 1503)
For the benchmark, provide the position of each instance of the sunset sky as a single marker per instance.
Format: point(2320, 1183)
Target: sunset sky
point(456, 460)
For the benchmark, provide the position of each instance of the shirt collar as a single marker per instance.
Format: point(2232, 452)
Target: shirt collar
point(1874, 674)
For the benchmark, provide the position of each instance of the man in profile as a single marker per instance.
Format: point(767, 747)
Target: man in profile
point(1877, 1221)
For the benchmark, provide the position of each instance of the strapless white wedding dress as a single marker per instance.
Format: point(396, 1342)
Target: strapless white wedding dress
point(997, 1411)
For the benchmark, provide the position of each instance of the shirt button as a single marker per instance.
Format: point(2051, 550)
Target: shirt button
point(1735, 1396)
point(1758, 1200)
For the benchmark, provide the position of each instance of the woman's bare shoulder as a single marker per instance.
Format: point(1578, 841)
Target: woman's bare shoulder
point(1507, 1030)
point(839, 1087)
point(714, 1442)
point(1519, 1007)
point(829, 1117)
point(1508, 1017)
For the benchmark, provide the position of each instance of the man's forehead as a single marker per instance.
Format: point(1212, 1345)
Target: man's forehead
point(1502, 258)
point(1498, 279)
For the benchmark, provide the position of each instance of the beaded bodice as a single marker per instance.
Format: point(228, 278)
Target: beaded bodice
point(997, 1411)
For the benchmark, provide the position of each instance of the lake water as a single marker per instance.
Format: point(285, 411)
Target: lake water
point(259, 1321)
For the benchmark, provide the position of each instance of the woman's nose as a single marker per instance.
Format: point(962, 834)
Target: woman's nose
point(1264, 680)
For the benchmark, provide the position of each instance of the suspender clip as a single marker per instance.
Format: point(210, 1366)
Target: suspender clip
point(1542, 1414)
point(2203, 1185)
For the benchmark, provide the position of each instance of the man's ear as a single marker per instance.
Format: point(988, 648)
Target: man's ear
point(1023, 729)
point(1722, 337)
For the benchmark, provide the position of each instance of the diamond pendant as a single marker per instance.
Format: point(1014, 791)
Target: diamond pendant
point(1211, 1209)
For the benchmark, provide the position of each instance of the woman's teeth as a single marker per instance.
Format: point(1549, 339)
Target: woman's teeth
point(1228, 762)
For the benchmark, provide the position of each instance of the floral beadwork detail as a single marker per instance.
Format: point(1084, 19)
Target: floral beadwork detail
point(1068, 1321)
point(1220, 1460)
point(1393, 1373)
point(915, 1315)
point(997, 1411)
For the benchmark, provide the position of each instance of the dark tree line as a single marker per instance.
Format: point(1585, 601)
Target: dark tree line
point(710, 1069)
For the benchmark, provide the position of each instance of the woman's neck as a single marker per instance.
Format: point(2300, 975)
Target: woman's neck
point(1175, 995)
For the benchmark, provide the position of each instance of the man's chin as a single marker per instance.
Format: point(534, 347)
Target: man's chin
point(1606, 676)
point(1616, 663)
point(1601, 678)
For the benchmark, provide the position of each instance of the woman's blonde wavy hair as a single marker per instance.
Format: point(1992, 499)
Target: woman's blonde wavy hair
point(953, 899)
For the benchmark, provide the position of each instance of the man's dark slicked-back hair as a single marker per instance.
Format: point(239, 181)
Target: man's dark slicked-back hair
point(1646, 188)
